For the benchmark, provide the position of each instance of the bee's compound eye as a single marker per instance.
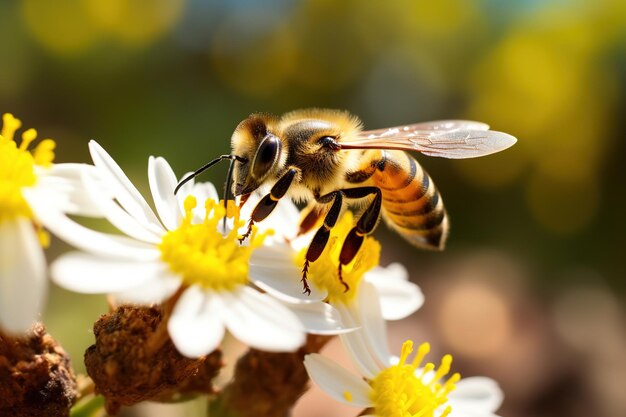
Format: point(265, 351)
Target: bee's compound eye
point(266, 156)
point(329, 142)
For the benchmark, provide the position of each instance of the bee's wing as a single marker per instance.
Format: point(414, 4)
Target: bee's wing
point(454, 139)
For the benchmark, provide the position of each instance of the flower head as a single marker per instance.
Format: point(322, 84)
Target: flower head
point(29, 184)
point(399, 388)
point(17, 169)
point(183, 248)
point(202, 255)
point(323, 273)
point(399, 297)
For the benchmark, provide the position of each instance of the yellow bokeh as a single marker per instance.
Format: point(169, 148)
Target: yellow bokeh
point(72, 27)
point(63, 27)
point(255, 63)
point(137, 21)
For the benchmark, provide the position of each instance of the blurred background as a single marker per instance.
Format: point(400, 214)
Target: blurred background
point(530, 290)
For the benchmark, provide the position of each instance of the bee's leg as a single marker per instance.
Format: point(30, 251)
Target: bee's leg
point(269, 202)
point(364, 226)
point(311, 218)
point(317, 245)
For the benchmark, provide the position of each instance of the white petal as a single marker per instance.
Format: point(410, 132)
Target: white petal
point(123, 189)
point(66, 178)
point(272, 269)
point(186, 188)
point(320, 318)
point(119, 217)
point(23, 283)
point(355, 344)
point(162, 184)
point(335, 381)
point(91, 274)
point(476, 395)
point(206, 190)
point(399, 297)
point(87, 239)
point(195, 325)
point(158, 289)
point(202, 191)
point(373, 324)
point(261, 321)
point(284, 219)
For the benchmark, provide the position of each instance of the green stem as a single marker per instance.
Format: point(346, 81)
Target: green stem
point(88, 406)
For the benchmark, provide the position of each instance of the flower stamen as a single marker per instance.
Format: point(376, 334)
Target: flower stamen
point(18, 169)
point(399, 391)
point(323, 273)
point(202, 255)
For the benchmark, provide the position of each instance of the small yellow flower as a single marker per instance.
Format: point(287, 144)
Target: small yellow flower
point(18, 168)
point(323, 273)
point(201, 255)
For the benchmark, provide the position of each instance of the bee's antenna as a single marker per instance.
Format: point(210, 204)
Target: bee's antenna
point(227, 190)
point(207, 166)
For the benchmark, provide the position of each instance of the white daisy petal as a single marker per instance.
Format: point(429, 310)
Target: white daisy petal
point(68, 178)
point(87, 239)
point(119, 217)
point(186, 188)
point(91, 274)
point(23, 283)
point(284, 219)
point(373, 324)
point(158, 289)
point(202, 191)
point(399, 297)
point(272, 270)
point(261, 321)
point(125, 192)
point(162, 184)
point(476, 394)
point(355, 345)
point(319, 318)
point(206, 190)
point(195, 325)
point(335, 381)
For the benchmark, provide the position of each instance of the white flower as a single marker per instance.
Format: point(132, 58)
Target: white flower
point(30, 183)
point(399, 297)
point(392, 387)
point(183, 248)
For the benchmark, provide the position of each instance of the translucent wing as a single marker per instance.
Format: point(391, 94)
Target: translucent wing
point(454, 139)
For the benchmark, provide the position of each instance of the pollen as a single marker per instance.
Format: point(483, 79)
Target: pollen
point(19, 166)
point(202, 255)
point(402, 391)
point(323, 272)
point(347, 395)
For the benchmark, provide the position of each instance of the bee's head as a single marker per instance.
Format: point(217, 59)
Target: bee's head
point(256, 141)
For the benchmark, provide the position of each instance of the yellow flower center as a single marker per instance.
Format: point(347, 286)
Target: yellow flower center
point(202, 255)
point(323, 273)
point(17, 169)
point(399, 391)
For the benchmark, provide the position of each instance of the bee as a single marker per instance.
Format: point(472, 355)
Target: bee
point(324, 157)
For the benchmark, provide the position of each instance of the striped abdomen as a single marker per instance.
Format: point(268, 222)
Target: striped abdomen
point(411, 204)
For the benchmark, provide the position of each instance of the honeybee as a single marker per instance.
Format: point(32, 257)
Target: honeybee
point(325, 157)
